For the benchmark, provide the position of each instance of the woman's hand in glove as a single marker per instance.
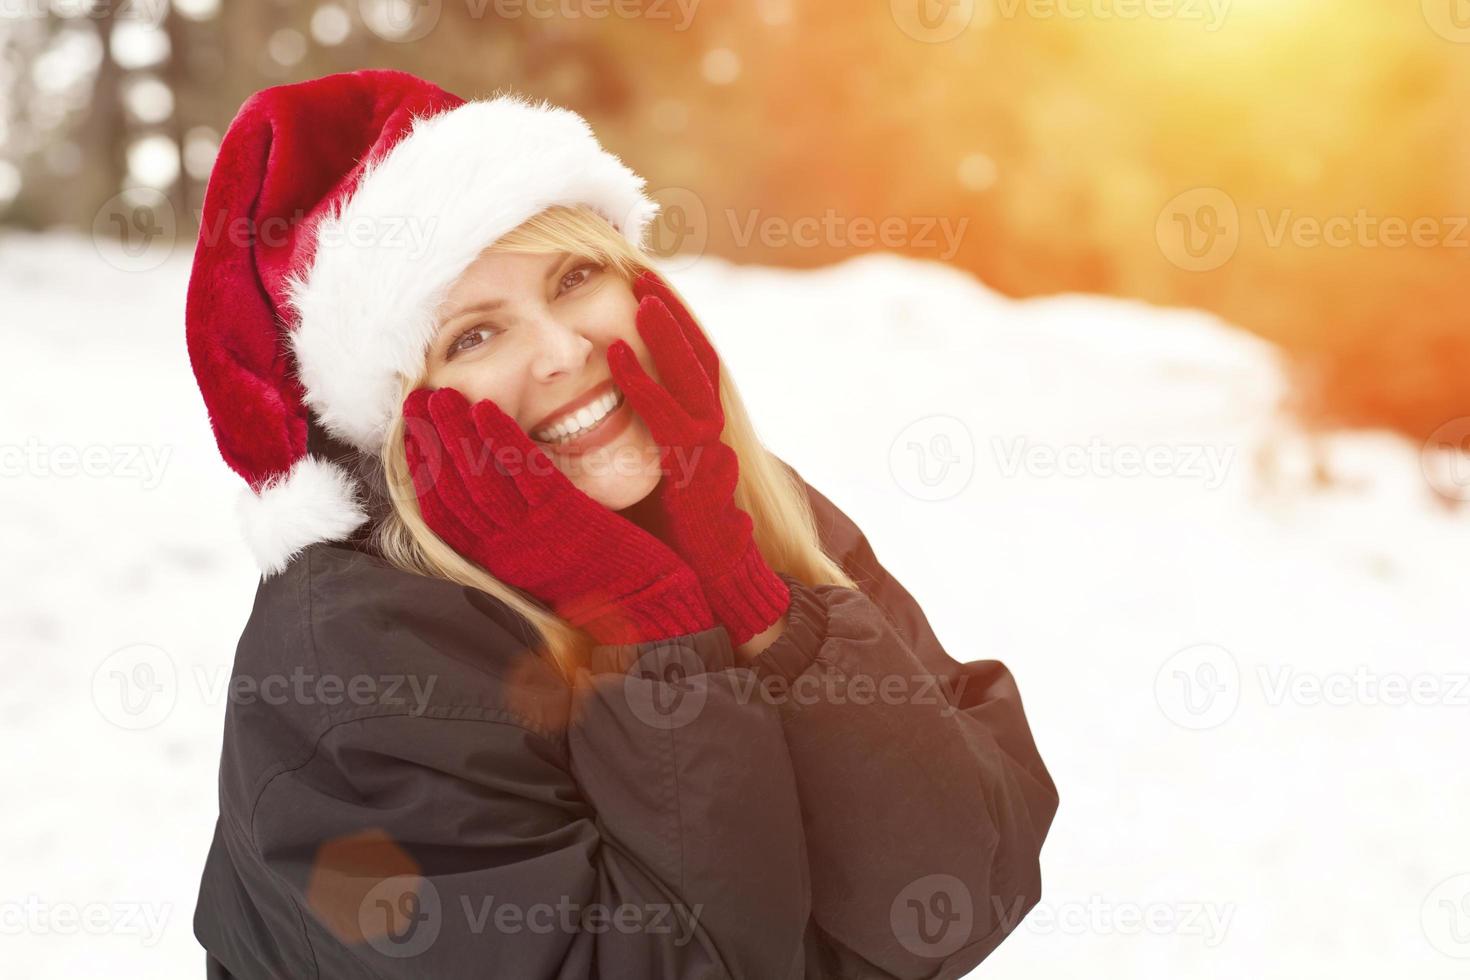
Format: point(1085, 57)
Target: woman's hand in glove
point(495, 497)
point(696, 500)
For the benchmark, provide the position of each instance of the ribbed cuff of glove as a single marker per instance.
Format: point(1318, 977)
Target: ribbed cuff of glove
point(748, 596)
point(672, 606)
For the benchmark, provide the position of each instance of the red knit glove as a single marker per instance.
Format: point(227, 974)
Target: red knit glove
point(495, 497)
point(696, 497)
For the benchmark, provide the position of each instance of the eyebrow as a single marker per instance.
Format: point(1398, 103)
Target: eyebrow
point(557, 258)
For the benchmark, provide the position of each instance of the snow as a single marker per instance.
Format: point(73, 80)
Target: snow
point(1104, 495)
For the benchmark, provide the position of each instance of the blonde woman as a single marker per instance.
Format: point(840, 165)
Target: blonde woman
point(585, 681)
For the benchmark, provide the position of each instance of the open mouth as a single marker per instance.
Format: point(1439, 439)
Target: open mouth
point(575, 426)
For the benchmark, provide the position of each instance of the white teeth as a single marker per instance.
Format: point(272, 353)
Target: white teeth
point(584, 418)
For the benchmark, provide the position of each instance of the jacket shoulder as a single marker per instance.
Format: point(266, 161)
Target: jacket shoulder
point(354, 681)
point(361, 619)
point(341, 635)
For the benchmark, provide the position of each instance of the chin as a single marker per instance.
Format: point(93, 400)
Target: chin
point(618, 478)
point(620, 474)
point(617, 491)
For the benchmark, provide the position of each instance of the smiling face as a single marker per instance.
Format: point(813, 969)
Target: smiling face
point(531, 332)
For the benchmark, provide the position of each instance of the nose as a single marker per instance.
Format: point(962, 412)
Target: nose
point(560, 348)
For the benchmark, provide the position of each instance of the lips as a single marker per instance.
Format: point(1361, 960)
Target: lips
point(610, 427)
point(576, 404)
point(585, 419)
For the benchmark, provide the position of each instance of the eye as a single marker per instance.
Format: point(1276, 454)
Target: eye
point(589, 268)
point(459, 346)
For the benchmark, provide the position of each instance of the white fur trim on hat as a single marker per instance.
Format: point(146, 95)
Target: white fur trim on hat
point(385, 258)
point(315, 501)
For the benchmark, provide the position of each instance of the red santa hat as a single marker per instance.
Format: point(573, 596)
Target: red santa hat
point(338, 213)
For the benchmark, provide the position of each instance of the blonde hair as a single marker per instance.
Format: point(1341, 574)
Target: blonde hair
point(784, 526)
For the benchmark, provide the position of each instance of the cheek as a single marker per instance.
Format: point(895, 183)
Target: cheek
point(615, 313)
point(483, 378)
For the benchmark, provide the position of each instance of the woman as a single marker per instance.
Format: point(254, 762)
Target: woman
point(584, 681)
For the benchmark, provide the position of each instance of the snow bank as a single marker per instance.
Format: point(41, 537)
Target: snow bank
point(1104, 495)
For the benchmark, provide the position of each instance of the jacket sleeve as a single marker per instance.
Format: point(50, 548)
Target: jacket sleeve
point(924, 798)
point(659, 836)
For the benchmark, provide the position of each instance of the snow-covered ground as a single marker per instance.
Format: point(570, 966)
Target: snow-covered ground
point(1242, 647)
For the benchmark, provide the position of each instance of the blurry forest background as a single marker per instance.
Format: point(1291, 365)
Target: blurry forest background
point(1048, 136)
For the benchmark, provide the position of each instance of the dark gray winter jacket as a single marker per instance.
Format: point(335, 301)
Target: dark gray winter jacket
point(408, 790)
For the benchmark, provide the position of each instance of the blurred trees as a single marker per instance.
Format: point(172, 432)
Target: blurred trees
point(1048, 134)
